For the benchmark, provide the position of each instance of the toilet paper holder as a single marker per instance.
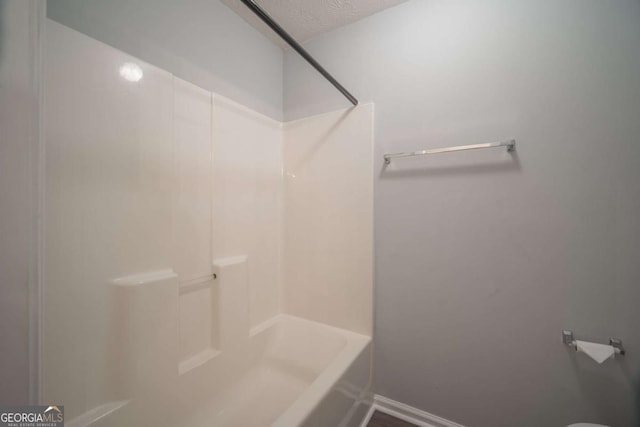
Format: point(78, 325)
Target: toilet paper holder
point(616, 343)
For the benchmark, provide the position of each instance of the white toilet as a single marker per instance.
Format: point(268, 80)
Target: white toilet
point(587, 425)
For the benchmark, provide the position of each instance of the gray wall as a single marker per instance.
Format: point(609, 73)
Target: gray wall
point(201, 41)
point(482, 259)
point(18, 133)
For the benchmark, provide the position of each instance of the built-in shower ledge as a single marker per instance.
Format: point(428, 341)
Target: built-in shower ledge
point(141, 279)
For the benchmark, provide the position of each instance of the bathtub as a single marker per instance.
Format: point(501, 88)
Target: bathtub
point(285, 372)
point(294, 372)
point(290, 372)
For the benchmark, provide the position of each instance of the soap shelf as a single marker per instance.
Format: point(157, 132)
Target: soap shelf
point(616, 343)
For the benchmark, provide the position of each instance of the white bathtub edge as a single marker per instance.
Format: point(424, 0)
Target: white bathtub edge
point(305, 405)
point(92, 416)
point(260, 327)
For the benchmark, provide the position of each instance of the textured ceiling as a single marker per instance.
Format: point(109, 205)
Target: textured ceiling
point(304, 19)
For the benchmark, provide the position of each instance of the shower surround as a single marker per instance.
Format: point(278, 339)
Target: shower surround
point(205, 264)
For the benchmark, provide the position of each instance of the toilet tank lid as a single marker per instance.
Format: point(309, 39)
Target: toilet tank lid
point(587, 425)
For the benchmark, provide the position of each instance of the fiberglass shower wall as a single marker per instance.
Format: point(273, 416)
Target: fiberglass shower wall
point(130, 200)
point(168, 222)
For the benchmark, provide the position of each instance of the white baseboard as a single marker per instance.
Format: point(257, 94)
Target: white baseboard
point(367, 417)
point(407, 413)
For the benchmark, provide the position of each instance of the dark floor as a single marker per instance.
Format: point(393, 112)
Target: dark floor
point(380, 419)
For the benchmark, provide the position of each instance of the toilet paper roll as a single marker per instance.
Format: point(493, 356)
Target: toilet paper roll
point(598, 352)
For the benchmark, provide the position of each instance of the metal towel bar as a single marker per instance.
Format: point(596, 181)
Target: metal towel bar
point(510, 144)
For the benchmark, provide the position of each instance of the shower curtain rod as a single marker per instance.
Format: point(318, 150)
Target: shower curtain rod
point(264, 16)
